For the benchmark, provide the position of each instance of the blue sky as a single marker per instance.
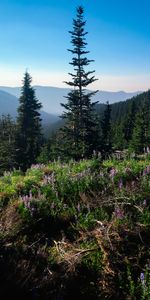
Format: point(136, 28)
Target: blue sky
point(34, 35)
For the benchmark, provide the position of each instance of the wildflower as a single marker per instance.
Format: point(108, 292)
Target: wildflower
point(26, 200)
point(142, 278)
point(30, 195)
point(38, 166)
point(52, 205)
point(146, 171)
point(120, 184)
point(145, 203)
point(119, 214)
point(112, 172)
point(78, 207)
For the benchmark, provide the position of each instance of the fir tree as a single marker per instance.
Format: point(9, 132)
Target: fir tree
point(28, 136)
point(141, 133)
point(79, 132)
point(7, 143)
point(117, 136)
point(129, 123)
point(106, 131)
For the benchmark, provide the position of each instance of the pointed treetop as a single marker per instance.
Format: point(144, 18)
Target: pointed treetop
point(27, 79)
point(80, 10)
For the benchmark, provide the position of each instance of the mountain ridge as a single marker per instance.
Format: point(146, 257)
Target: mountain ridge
point(51, 97)
point(6, 108)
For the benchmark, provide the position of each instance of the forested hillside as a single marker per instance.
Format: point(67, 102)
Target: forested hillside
point(120, 115)
point(121, 109)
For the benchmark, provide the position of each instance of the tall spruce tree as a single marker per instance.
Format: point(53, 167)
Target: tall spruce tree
point(28, 137)
point(79, 132)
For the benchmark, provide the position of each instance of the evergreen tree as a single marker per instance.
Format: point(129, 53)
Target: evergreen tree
point(141, 133)
point(28, 138)
point(129, 123)
point(79, 132)
point(117, 136)
point(7, 143)
point(106, 131)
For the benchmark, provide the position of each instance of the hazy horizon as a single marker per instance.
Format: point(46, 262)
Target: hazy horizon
point(66, 87)
point(97, 85)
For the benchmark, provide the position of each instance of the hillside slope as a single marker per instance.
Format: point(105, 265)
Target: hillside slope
point(79, 229)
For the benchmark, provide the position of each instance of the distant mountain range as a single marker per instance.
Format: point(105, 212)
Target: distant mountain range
point(9, 105)
point(51, 97)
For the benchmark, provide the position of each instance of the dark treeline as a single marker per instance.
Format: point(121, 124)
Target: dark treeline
point(130, 123)
point(86, 127)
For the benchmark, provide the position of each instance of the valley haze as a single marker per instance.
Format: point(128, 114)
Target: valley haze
point(51, 97)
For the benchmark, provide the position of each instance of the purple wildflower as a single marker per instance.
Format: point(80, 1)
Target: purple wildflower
point(112, 172)
point(119, 214)
point(26, 200)
point(142, 278)
point(120, 184)
point(146, 171)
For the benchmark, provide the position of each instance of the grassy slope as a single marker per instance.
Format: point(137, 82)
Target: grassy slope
point(77, 229)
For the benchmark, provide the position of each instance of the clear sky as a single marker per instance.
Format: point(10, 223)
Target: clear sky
point(34, 35)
